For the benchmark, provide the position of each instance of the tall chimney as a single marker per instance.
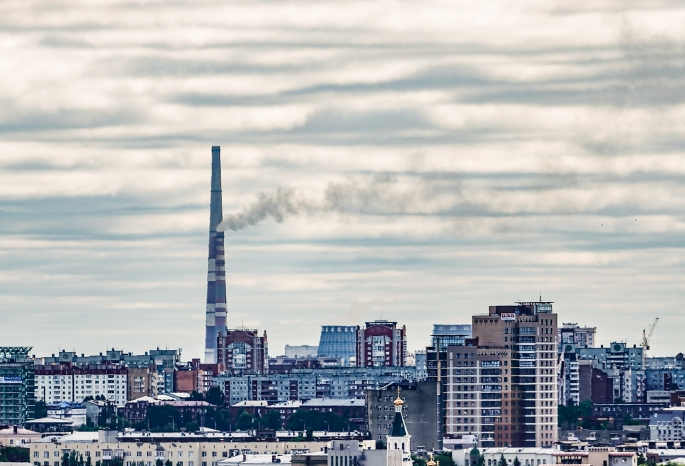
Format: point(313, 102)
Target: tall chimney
point(216, 271)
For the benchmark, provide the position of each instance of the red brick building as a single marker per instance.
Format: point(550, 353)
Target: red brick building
point(381, 344)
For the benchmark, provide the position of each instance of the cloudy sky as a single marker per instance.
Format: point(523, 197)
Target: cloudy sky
point(430, 158)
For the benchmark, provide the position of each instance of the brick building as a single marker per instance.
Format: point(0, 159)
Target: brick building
point(381, 344)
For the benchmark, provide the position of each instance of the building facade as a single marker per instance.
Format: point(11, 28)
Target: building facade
point(71, 383)
point(502, 384)
point(243, 351)
point(17, 385)
point(381, 344)
point(338, 341)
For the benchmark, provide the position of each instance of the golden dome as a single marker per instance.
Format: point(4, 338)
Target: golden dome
point(431, 462)
point(398, 401)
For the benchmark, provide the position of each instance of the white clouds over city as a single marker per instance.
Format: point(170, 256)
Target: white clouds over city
point(441, 156)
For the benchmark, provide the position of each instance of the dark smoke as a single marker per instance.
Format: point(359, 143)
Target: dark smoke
point(277, 206)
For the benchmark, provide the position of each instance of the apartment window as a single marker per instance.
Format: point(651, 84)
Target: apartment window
point(36, 454)
point(56, 454)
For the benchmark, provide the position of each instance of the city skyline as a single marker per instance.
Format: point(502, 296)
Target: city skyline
point(415, 162)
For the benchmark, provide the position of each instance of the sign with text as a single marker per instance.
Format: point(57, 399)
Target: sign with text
point(508, 316)
point(11, 380)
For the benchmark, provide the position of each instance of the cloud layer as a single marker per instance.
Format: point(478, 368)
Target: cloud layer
point(422, 160)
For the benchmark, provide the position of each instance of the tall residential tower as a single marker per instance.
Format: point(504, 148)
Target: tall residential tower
point(216, 271)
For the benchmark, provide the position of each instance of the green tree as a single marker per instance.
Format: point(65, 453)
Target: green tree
point(310, 435)
point(641, 459)
point(41, 409)
point(481, 460)
point(11, 454)
point(502, 461)
point(89, 462)
point(196, 396)
point(163, 418)
point(215, 396)
point(272, 420)
point(168, 463)
point(444, 459)
point(380, 445)
point(192, 427)
point(65, 459)
point(244, 420)
point(159, 462)
point(516, 461)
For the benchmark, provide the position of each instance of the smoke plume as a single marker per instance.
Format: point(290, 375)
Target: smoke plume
point(277, 206)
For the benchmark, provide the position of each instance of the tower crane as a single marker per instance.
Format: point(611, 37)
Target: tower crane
point(646, 337)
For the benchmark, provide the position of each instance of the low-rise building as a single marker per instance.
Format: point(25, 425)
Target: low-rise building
point(74, 412)
point(17, 436)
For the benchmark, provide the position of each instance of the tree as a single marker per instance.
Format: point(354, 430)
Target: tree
point(196, 396)
point(481, 460)
point(502, 461)
point(244, 420)
point(168, 463)
point(641, 459)
point(272, 420)
point(192, 427)
point(310, 435)
point(444, 459)
point(516, 461)
point(163, 418)
point(380, 445)
point(215, 396)
point(9, 454)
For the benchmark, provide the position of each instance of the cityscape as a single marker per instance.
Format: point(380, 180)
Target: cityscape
point(342, 233)
point(514, 384)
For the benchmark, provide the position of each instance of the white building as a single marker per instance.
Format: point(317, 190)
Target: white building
point(56, 383)
point(527, 456)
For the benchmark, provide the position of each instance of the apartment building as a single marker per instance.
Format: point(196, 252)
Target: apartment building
point(72, 383)
point(501, 385)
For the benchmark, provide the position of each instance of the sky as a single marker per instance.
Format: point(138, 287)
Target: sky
point(411, 160)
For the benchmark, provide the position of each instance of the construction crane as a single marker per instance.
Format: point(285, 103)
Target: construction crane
point(645, 337)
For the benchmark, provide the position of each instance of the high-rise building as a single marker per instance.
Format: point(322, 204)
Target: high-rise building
point(243, 351)
point(450, 335)
point(338, 341)
point(573, 334)
point(502, 383)
point(381, 344)
point(216, 270)
point(17, 392)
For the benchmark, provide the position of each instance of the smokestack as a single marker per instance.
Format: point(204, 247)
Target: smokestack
point(216, 271)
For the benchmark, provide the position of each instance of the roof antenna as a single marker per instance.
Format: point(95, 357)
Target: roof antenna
point(540, 295)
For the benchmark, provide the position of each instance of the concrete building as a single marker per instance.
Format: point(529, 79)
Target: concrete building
point(445, 335)
point(666, 425)
point(502, 383)
point(580, 337)
point(17, 385)
point(243, 351)
point(305, 384)
point(216, 269)
point(301, 351)
point(354, 410)
point(340, 342)
point(190, 452)
point(18, 436)
point(526, 456)
point(74, 412)
point(71, 383)
point(142, 381)
point(381, 344)
point(419, 410)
